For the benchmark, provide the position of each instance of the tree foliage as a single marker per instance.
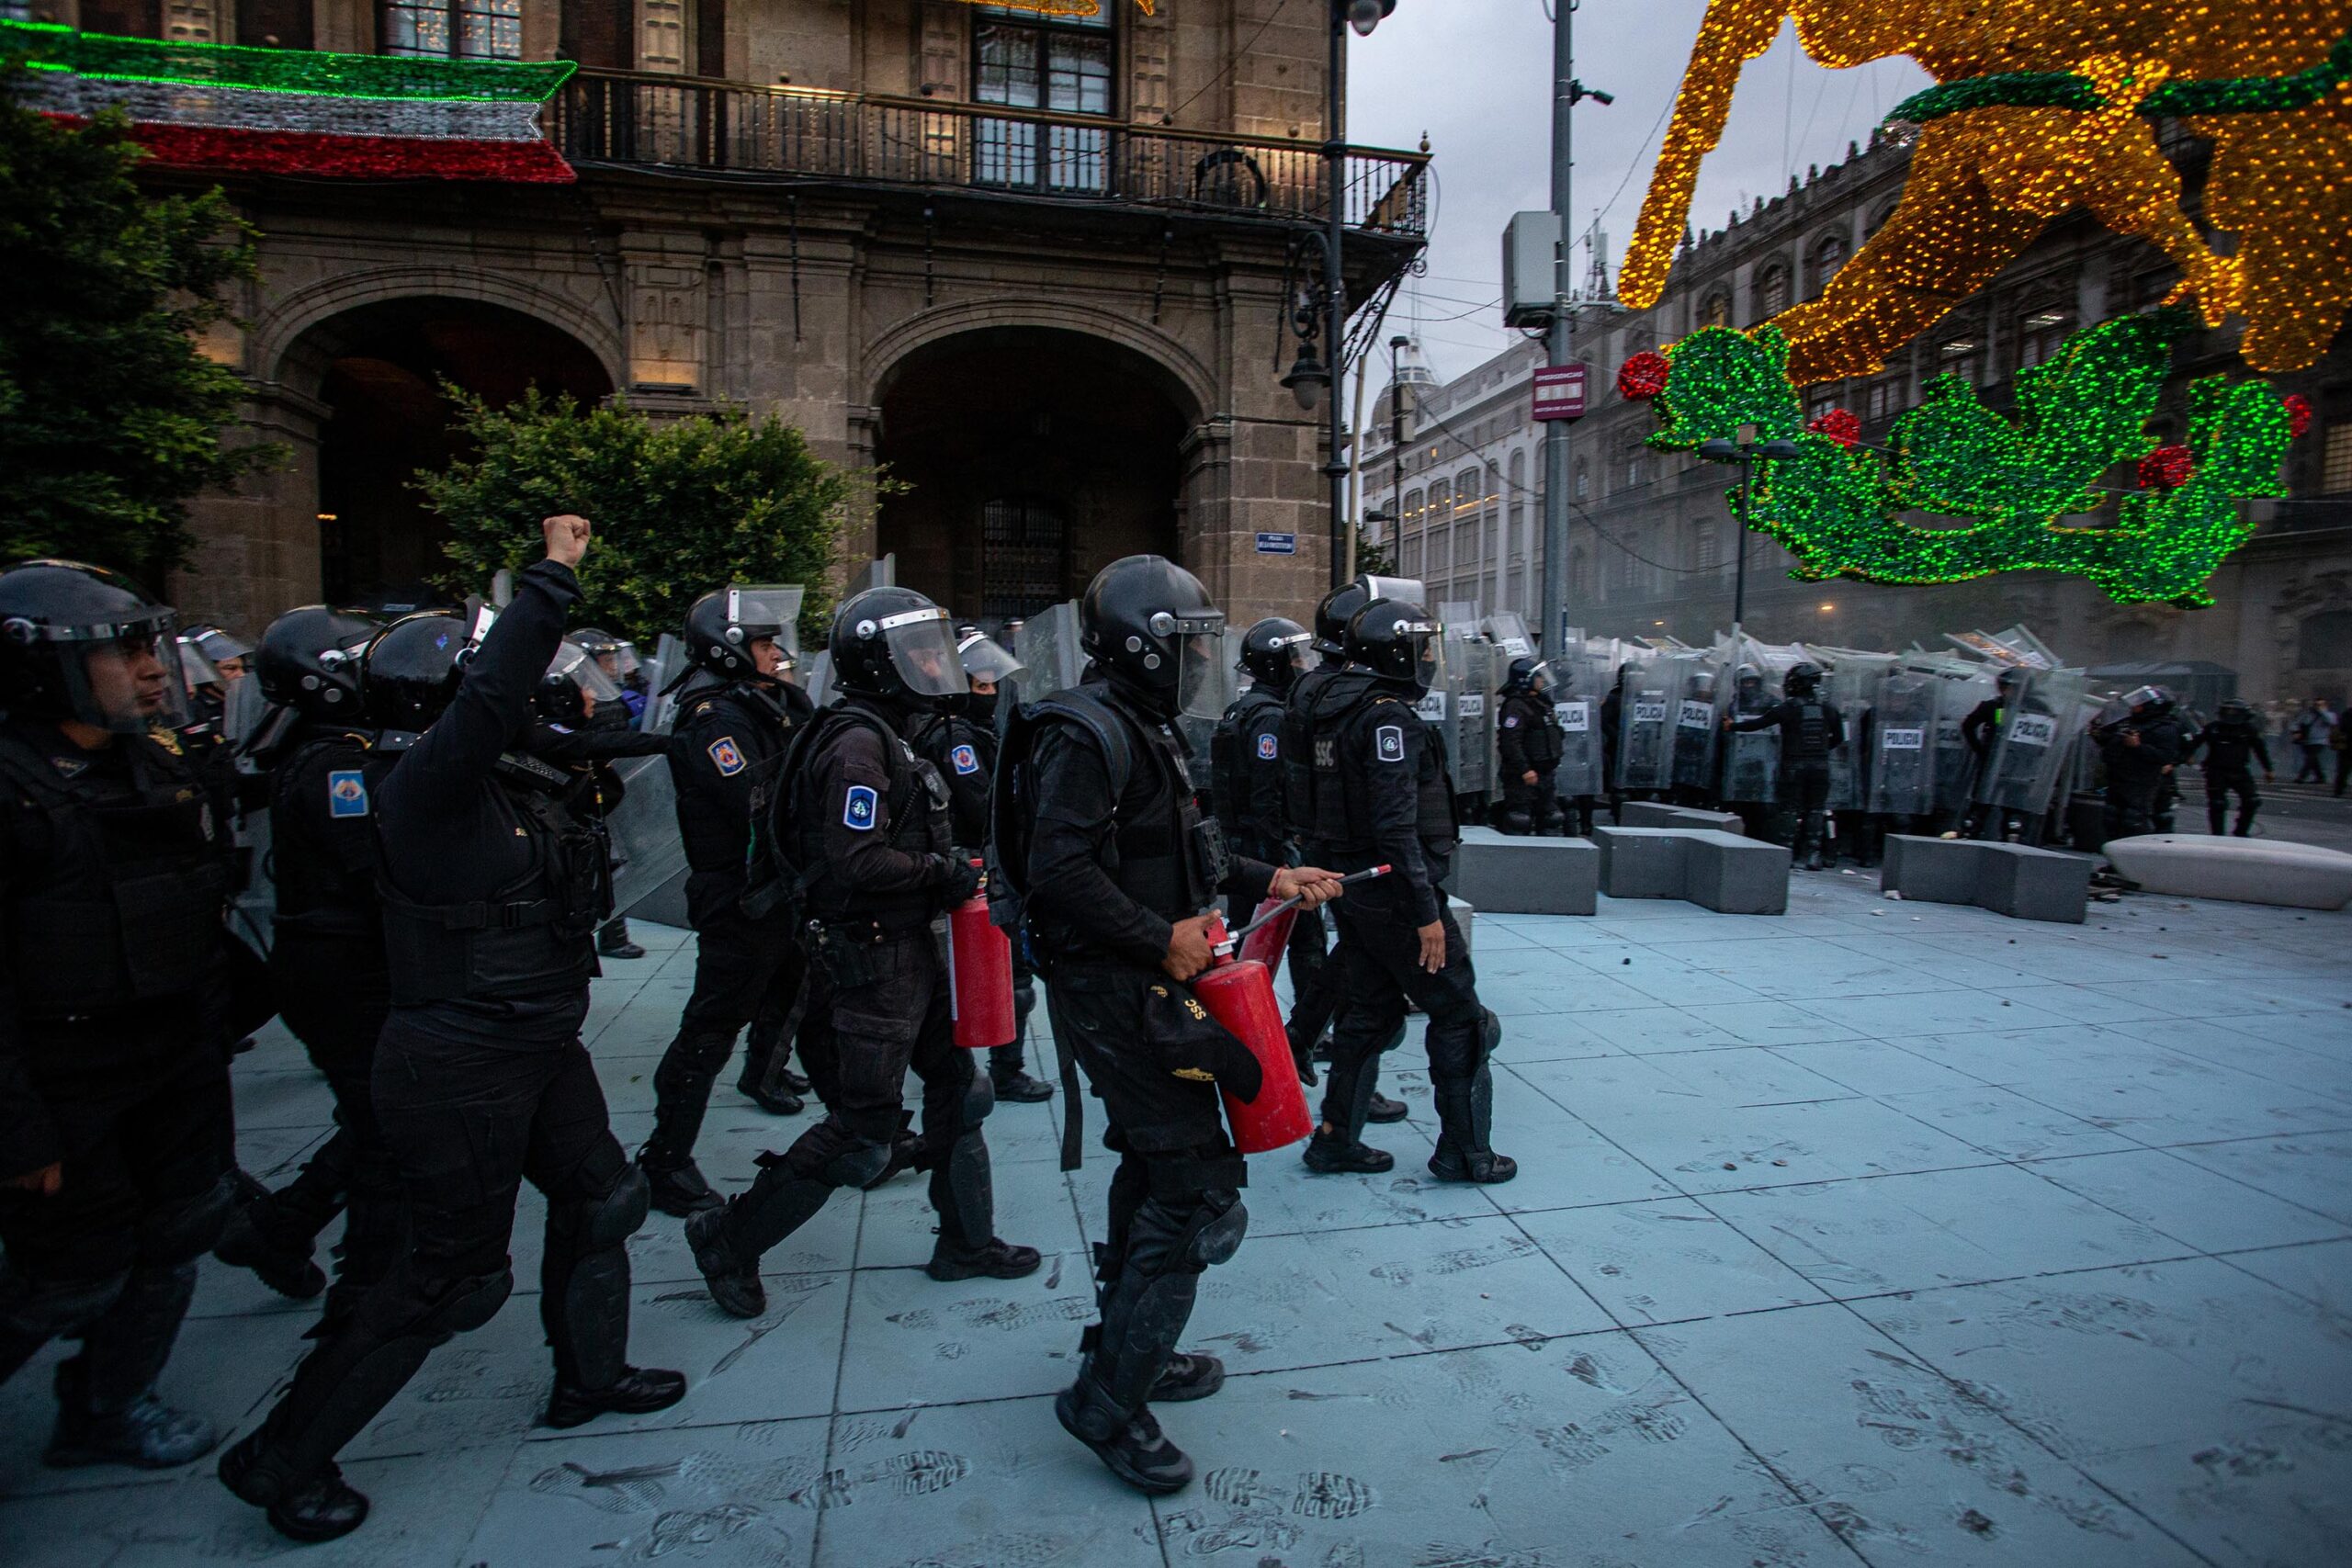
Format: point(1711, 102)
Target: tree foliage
point(680, 506)
point(110, 415)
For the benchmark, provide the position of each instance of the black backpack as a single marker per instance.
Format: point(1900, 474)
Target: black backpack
point(776, 878)
point(1013, 803)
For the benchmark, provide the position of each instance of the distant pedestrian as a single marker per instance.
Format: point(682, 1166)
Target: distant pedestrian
point(2311, 730)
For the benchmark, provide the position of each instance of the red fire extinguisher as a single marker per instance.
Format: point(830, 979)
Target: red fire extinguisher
point(1267, 936)
point(1239, 994)
point(979, 976)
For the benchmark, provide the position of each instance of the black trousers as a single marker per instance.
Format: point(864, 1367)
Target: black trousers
point(1532, 808)
point(2219, 785)
point(2132, 804)
point(1381, 955)
point(746, 972)
point(1803, 790)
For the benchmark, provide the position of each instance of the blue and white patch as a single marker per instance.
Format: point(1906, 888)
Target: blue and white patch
point(859, 810)
point(967, 760)
point(1268, 748)
point(726, 756)
point(1390, 741)
point(1511, 721)
point(347, 792)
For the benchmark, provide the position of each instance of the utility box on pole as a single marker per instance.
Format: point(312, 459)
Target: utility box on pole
point(1530, 259)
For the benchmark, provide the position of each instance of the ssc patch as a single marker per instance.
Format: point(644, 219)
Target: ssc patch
point(859, 810)
point(1391, 743)
point(967, 760)
point(726, 757)
point(1268, 748)
point(347, 792)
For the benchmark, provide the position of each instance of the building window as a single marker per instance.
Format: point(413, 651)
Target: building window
point(1827, 257)
point(1878, 220)
point(455, 29)
point(1957, 356)
point(1628, 571)
point(1717, 311)
point(1706, 548)
point(2335, 459)
point(2326, 641)
point(1025, 546)
point(1062, 66)
point(1411, 514)
point(1465, 490)
point(1886, 398)
point(185, 21)
point(1584, 479)
point(1580, 575)
point(2039, 334)
point(661, 36)
point(1771, 291)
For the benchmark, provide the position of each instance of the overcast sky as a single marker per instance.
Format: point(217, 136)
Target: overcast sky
point(1476, 75)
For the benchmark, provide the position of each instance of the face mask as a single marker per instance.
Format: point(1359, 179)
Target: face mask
point(982, 707)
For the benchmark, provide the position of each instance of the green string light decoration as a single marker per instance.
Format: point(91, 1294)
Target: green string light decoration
point(2081, 412)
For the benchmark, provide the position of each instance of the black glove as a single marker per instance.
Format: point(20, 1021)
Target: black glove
point(960, 879)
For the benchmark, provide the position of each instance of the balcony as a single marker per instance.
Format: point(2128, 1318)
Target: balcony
point(725, 129)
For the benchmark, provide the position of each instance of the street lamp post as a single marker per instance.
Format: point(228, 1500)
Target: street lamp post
point(1744, 449)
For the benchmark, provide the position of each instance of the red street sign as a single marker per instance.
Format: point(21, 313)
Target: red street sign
point(1559, 392)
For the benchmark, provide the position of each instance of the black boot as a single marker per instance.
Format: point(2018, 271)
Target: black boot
point(320, 1508)
point(1466, 1113)
point(1384, 1110)
point(733, 1283)
point(729, 1242)
point(1189, 1375)
point(107, 1408)
point(1008, 1073)
point(635, 1393)
point(775, 1102)
point(677, 1190)
point(1130, 1443)
point(612, 940)
point(1338, 1146)
point(963, 1190)
point(1329, 1155)
point(282, 1265)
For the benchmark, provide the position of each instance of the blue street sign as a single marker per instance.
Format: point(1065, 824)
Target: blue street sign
point(1278, 544)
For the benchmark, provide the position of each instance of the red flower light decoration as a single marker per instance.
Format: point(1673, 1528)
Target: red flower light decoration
point(1842, 425)
point(1643, 377)
point(2167, 468)
point(2299, 414)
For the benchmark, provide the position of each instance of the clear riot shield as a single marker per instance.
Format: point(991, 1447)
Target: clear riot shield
point(2023, 767)
point(1965, 686)
point(1473, 756)
point(662, 707)
point(647, 850)
point(817, 676)
point(1751, 758)
point(1578, 685)
point(1441, 705)
point(1047, 646)
point(1646, 723)
point(1901, 775)
point(1197, 730)
point(1508, 632)
point(1851, 688)
point(1697, 687)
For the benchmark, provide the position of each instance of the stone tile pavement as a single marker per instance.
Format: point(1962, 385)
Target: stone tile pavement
point(1876, 1231)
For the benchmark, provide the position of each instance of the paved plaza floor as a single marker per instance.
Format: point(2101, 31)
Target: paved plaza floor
point(1877, 1232)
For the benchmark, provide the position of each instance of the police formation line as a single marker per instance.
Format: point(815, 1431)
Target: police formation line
point(436, 791)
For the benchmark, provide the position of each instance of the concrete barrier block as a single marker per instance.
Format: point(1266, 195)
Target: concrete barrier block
point(1930, 871)
point(2029, 883)
point(1657, 814)
point(1508, 875)
point(1641, 863)
point(1465, 915)
point(1735, 875)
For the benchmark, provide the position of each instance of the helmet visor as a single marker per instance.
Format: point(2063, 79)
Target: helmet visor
point(766, 610)
point(1203, 682)
point(1428, 640)
point(217, 645)
point(1298, 650)
point(195, 669)
point(985, 659)
point(617, 659)
point(573, 663)
point(124, 678)
point(2142, 697)
point(922, 650)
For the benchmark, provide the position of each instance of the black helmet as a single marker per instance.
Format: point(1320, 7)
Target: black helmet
point(1802, 679)
point(2156, 699)
point(1397, 640)
point(616, 656)
point(1340, 607)
point(984, 658)
point(308, 660)
point(573, 686)
point(894, 643)
point(411, 669)
point(1275, 652)
point(83, 643)
point(215, 645)
point(1151, 627)
point(1527, 674)
point(2236, 710)
point(722, 625)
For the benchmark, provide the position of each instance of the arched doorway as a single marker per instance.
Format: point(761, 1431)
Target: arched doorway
point(1031, 457)
point(380, 369)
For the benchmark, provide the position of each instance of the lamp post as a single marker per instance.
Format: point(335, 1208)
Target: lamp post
point(1744, 448)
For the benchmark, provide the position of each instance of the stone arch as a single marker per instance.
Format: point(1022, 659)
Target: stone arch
point(278, 333)
point(1190, 384)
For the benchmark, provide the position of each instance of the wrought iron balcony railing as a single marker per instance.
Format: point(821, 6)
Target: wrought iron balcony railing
point(724, 128)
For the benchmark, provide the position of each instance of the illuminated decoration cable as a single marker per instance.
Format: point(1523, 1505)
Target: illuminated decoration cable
point(219, 107)
point(1839, 510)
point(2042, 105)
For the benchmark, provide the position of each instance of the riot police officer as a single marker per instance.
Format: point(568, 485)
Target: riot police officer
point(326, 765)
point(1380, 793)
point(1529, 744)
point(2229, 743)
point(114, 1067)
point(1811, 728)
point(492, 892)
point(961, 742)
point(734, 721)
point(1099, 826)
point(2141, 750)
point(863, 825)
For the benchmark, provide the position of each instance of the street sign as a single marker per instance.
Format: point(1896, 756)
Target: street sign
point(1278, 544)
point(1559, 392)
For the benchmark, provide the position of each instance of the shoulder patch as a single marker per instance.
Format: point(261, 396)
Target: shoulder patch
point(1390, 742)
point(967, 760)
point(347, 792)
point(1268, 747)
point(1511, 721)
point(859, 810)
point(726, 756)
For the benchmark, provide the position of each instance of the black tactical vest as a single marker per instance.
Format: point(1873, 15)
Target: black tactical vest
point(1813, 733)
point(760, 720)
point(114, 897)
point(1229, 757)
point(917, 809)
point(1298, 746)
point(1539, 728)
point(1341, 821)
point(317, 895)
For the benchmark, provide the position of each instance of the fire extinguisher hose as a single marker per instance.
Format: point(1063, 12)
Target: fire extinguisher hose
point(1292, 902)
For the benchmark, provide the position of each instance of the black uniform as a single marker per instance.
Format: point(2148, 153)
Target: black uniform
point(1380, 793)
point(1810, 729)
point(1252, 791)
point(1528, 738)
point(1118, 853)
point(2139, 750)
point(491, 893)
point(2229, 744)
point(114, 1030)
point(1315, 1001)
point(731, 740)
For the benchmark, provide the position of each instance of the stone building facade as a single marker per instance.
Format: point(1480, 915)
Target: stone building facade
point(1653, 550)
point(1038, 267)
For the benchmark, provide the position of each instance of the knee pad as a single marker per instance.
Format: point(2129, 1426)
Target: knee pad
point(465, 1305)
point(979, 1098)
point(600, 1222)
point(186, 1232)
point(855, 1165)
point(1220, 1239)
point(1490, 1034)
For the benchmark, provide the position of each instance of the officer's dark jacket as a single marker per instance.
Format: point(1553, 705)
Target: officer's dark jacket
point(1109, 877)
point(114, 875)
point(2227, 746)
point(1382, 793)
point(491, 889)
point(728, 738)
point(323, 860)
point(870, 820)
point(965, 754)
point(1251, 793)
point(1810, 729)
point(2160, 747)
point(1527, 735)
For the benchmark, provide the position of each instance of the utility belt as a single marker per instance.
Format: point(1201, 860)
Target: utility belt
point(445, 952)
point(856, 953)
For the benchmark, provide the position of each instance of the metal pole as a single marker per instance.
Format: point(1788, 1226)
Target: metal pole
point(1739, 571)
point(1335, 308)
point(1554, 621)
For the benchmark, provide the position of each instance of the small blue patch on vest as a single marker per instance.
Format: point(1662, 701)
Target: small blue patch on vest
point(1392, 743)
point(726, 757)
point(1268, 747)
point(859, 810)
point(967, 760)
point(347, 792)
